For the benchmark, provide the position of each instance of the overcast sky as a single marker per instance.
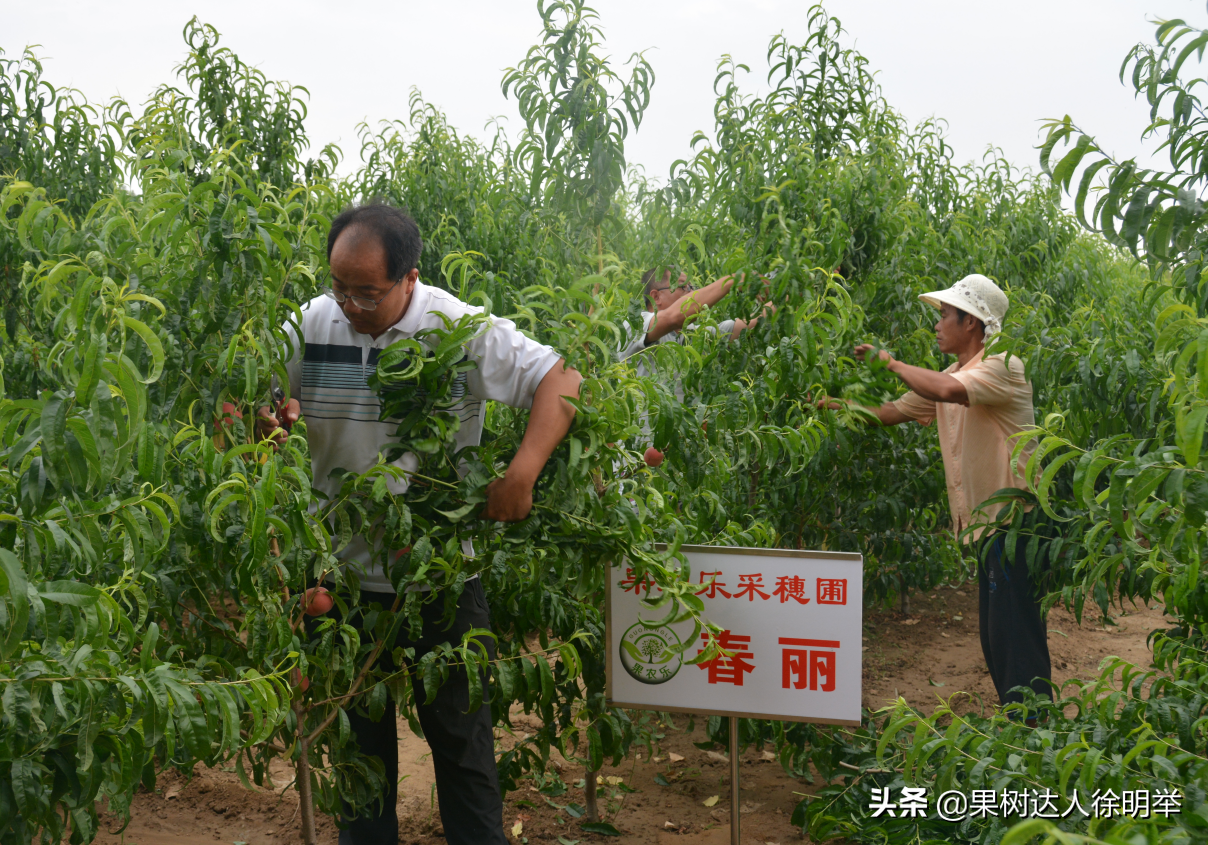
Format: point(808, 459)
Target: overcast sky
point(993, 70)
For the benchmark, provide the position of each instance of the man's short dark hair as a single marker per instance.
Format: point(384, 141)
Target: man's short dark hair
point(651, 280)
point(393, 228)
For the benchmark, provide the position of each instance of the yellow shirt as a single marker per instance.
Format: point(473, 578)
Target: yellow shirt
point(973, 440)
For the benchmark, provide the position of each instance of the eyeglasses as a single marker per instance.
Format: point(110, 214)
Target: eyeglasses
point(685, 286)
point(358, 301)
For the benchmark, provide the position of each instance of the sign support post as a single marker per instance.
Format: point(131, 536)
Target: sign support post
point(735, 784)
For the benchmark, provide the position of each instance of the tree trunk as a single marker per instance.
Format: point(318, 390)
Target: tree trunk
point(903, 594)
point(306, 799)
point(589, 796)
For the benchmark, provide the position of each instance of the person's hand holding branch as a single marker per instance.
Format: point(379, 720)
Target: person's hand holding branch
point(275, 426)
point(510, 499)
point(861, 353)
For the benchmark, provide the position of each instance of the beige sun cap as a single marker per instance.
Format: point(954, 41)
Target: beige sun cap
point(976, 295)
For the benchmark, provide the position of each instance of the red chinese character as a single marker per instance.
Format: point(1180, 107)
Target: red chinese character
point(748, 585)
point(729, 670)
point(631, 584)
point(713, 587)
point(832, 591)
point(803, 663)
point(790, 588)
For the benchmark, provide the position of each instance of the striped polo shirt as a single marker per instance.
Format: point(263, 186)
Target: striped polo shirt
point(330, 381)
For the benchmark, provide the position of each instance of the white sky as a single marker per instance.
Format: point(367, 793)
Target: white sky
point(993, 70)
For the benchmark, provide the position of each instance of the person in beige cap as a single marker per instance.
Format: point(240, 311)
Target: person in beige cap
point(978, 403)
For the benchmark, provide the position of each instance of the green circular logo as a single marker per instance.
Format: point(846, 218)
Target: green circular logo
point(651, 655)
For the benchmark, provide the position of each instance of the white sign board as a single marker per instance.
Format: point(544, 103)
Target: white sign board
point(792, 619)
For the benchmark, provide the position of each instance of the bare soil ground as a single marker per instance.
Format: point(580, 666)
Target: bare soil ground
point(934, 652)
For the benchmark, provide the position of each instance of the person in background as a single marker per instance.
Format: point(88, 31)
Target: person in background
point(375, 299)
point(979, 402)
point(670, 309)
point(667, 314)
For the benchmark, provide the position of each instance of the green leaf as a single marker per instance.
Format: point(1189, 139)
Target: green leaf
point(595, 749)
point(1195, 493)
point(1028, 831)
point(377, 701)
point(602, 828)
point(153, 346)
point(90, 373)
point(54, 438)
point(69, 592)
point(15, 595)
point(1193, 434)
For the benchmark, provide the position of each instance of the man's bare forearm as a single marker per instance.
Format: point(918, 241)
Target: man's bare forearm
point(549, 420)
point(938, 387)
point(888, 414)
point(710, 294)
point(510, 499)
point(672, 319)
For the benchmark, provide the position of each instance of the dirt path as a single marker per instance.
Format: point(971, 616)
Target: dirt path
point(940, 653)
point(935, 652)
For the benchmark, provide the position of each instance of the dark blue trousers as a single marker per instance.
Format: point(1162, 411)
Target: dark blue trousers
point(1014, 636)
point(463, 744)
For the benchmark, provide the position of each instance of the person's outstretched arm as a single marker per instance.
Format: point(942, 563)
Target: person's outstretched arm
point(672, 319)
point(938, 387)
point(887, 414)
point(922, 400)
point(509, 499)
point(742, 325)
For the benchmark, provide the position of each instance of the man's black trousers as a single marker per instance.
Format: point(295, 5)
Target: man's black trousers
point(463, 745)
point(1014, 637)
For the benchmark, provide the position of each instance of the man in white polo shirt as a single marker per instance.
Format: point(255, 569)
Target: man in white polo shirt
point(374, 300)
